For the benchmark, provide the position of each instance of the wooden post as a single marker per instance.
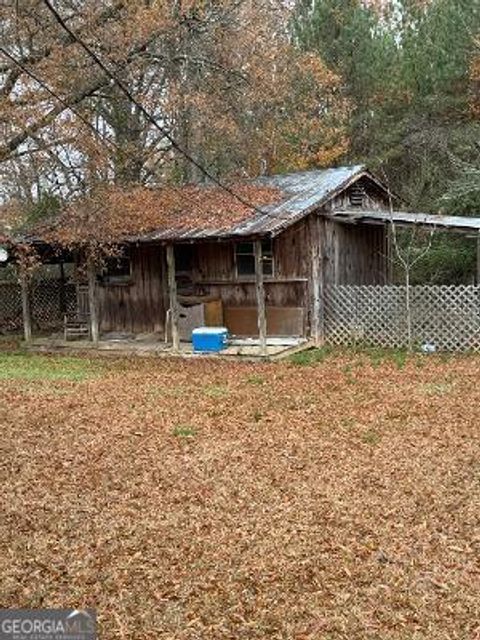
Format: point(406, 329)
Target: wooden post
point(92, 302)
point(260, 294)
point(389, 253)
point(316, 289)
point(478, 258)
point(172, 292)
point(63, 297)
point(26, 309)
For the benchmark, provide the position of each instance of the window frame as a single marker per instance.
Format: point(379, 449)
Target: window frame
point(120, 278)
point(267, 257)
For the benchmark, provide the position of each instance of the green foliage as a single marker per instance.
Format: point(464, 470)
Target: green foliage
point(406, 70)
point(450, 260)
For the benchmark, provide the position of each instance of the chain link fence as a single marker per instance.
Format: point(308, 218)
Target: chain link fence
point(50, 299)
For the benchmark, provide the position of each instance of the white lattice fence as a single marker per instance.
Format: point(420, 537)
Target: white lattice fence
point(445, 316)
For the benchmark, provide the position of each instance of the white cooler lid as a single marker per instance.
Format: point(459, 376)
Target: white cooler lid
point(209, 330)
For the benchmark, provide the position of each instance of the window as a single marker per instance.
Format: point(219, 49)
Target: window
point(245, 258)
point(184, 258)
point(118, 268)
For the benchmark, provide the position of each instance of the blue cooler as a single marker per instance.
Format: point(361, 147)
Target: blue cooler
point(210, 339)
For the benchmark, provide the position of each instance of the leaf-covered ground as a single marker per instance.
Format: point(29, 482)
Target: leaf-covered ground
point(337, 498)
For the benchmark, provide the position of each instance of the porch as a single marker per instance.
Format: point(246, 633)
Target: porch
point(148, 345)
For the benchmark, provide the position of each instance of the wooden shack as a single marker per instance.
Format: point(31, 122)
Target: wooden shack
point(261, 276)
point(298, 245)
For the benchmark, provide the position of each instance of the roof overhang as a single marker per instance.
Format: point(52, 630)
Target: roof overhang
point(459, 224)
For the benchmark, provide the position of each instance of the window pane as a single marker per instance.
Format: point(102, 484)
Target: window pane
point(267, 247)
point(267, 267)
point(118, 267)
point(184, 257)
point(245, 248)
point(245, 265)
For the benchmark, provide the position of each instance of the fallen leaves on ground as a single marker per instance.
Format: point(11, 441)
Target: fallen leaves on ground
point(202, 499)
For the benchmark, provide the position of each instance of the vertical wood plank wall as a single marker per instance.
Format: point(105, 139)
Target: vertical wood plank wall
point(349, 254)
point(140, 306)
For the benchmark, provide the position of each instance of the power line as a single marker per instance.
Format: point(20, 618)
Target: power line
point(55, 95)
point(148, 115)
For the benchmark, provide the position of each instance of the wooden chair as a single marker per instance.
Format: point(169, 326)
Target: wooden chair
point(77, 325)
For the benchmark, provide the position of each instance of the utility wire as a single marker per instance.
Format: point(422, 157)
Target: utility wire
point(148, 115)
point(86, 122)
point(125, 90)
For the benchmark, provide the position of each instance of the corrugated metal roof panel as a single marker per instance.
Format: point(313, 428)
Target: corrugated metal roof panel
point(303, 191)
point(460, 223)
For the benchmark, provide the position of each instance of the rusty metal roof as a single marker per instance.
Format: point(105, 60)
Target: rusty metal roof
point(303, 192)
point(461, 224)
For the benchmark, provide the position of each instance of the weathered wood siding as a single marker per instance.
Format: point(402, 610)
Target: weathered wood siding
point(138, 306)
point(214, 271)
point(354, 254)
point(349, 254)
point(375, 198)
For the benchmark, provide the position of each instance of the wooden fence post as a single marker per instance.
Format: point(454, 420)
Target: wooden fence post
point(316, 282)
point(478, 258)
point(92, 302)
point(172, 292)
point(26, 308)
point(260, 294)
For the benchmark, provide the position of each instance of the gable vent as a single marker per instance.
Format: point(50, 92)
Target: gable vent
point(356, 195)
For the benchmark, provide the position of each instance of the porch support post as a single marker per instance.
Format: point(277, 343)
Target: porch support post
point(63, 297)
point(260, 295)
point(92, 302)
point(26, 309)
point(316, 276)
point(172, 292)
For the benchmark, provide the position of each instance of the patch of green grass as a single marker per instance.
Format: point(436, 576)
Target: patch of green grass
point(349, 374)
point(255, 379)
point(437, 388)
point(378, 355)
point(311, 356)
point(371, 437)
point(184, 431)
point(445, 357)
point(216, 390)
point(347, 422)
point(19, 366)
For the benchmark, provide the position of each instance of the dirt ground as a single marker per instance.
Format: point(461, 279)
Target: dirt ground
point(335, 497)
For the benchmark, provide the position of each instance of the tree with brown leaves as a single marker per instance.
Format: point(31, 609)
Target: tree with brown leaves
point(220, 77)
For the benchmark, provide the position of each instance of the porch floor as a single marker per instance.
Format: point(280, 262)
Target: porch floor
point(153, 345)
